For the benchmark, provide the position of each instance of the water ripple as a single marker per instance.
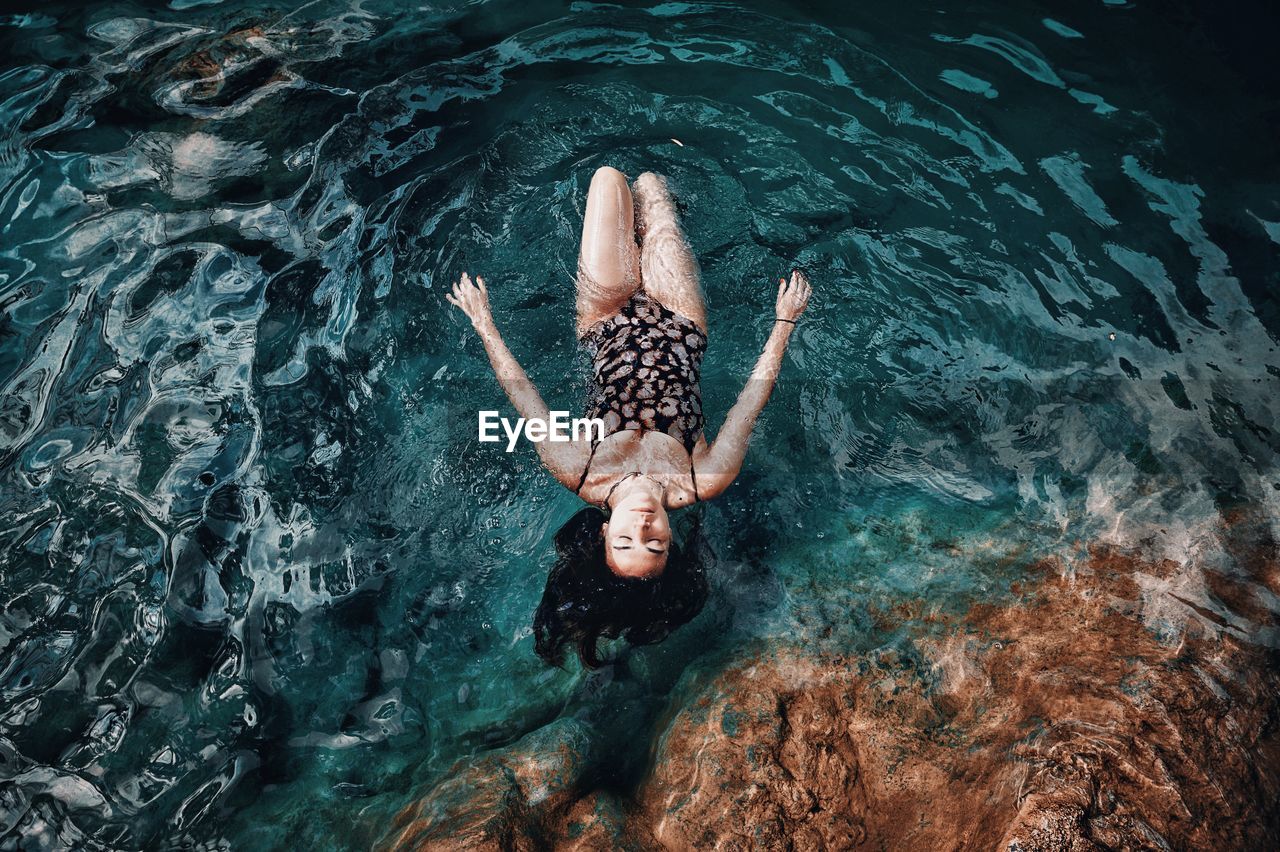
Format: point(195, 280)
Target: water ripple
point(249, 538)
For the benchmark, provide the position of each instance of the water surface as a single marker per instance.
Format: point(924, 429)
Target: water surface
point(261, 583)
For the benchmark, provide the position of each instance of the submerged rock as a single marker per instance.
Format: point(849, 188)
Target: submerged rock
point(600, 821)
point(1080, 716)
point(1059, 723)
point(500, 800)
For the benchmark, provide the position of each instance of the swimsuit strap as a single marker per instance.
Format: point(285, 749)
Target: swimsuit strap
point(693, 476)
point(621, 480)
point(583, 479)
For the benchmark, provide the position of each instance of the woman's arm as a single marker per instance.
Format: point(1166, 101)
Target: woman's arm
point(565, 459)
point(719, 465)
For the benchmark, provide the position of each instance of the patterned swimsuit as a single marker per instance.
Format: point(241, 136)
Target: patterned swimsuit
point(646, 363)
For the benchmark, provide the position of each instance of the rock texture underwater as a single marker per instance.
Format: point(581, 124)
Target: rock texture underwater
point(1001, 570)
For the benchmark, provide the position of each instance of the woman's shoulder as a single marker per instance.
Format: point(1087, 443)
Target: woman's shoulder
point(678, 496)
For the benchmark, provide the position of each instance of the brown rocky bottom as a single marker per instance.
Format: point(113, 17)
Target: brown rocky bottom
point(1059, 722)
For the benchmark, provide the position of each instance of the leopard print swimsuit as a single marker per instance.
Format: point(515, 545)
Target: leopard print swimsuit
point(646, 365)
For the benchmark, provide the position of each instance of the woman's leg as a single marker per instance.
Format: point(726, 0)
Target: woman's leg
point(609, 259)
point(667, 265)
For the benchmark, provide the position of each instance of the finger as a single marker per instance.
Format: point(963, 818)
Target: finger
point(483, 289)
point(448, 298)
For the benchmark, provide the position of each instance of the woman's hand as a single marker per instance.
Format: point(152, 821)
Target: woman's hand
point(718, 464)
point(793, 296)
point(565, 459)
point(473, 300)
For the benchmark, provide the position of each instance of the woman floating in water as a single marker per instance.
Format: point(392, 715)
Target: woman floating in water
point(642, 319)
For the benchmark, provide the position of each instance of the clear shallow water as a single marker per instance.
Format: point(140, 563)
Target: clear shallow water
point(261, 583)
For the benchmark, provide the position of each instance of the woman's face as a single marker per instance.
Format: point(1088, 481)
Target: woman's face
point(637, 537)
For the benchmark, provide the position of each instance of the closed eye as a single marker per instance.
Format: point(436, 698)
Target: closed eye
point(649, 545)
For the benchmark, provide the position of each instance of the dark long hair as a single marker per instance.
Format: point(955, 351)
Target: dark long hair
point(584, 601)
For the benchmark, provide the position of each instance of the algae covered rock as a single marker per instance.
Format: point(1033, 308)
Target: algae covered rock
point(1055, 720)
point(500, 800)
point(763, 760)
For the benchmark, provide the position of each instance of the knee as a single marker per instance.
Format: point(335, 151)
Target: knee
point(651, 186)
point(608, 174)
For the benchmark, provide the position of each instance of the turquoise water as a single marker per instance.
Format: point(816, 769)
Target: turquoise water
point(260, 581)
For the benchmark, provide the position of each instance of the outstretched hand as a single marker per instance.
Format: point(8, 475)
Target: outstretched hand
point(793, 296)
point(472, 298)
